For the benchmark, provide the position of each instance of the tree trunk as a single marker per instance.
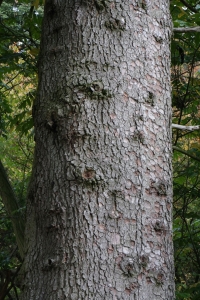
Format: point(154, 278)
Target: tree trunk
point(9, 200)
point(99, 202)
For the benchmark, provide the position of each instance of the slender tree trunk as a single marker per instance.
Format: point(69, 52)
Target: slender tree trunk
point(99, 203)
point(9, 200)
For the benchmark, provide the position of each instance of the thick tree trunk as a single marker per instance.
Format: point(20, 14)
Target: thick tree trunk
point(99, 204)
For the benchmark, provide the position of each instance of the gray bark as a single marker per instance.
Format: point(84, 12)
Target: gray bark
point(99, 203)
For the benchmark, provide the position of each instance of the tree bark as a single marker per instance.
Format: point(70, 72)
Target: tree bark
point(99, 202)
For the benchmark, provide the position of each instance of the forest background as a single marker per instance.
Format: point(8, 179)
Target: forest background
point(20, 29)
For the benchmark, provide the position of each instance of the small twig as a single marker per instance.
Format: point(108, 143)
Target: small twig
point(186, 153)
point(187, 29)
point(182, 127)
point(192, 8)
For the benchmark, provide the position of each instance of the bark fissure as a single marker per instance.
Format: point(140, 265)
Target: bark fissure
point(100, 197)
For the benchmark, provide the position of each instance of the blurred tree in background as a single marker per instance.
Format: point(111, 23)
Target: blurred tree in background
point(20, 27)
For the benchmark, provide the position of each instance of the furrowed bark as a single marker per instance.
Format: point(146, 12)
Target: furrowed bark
point(99, 204)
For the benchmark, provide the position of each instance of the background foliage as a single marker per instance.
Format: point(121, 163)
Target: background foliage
point(186, 111)
point(20, 27)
